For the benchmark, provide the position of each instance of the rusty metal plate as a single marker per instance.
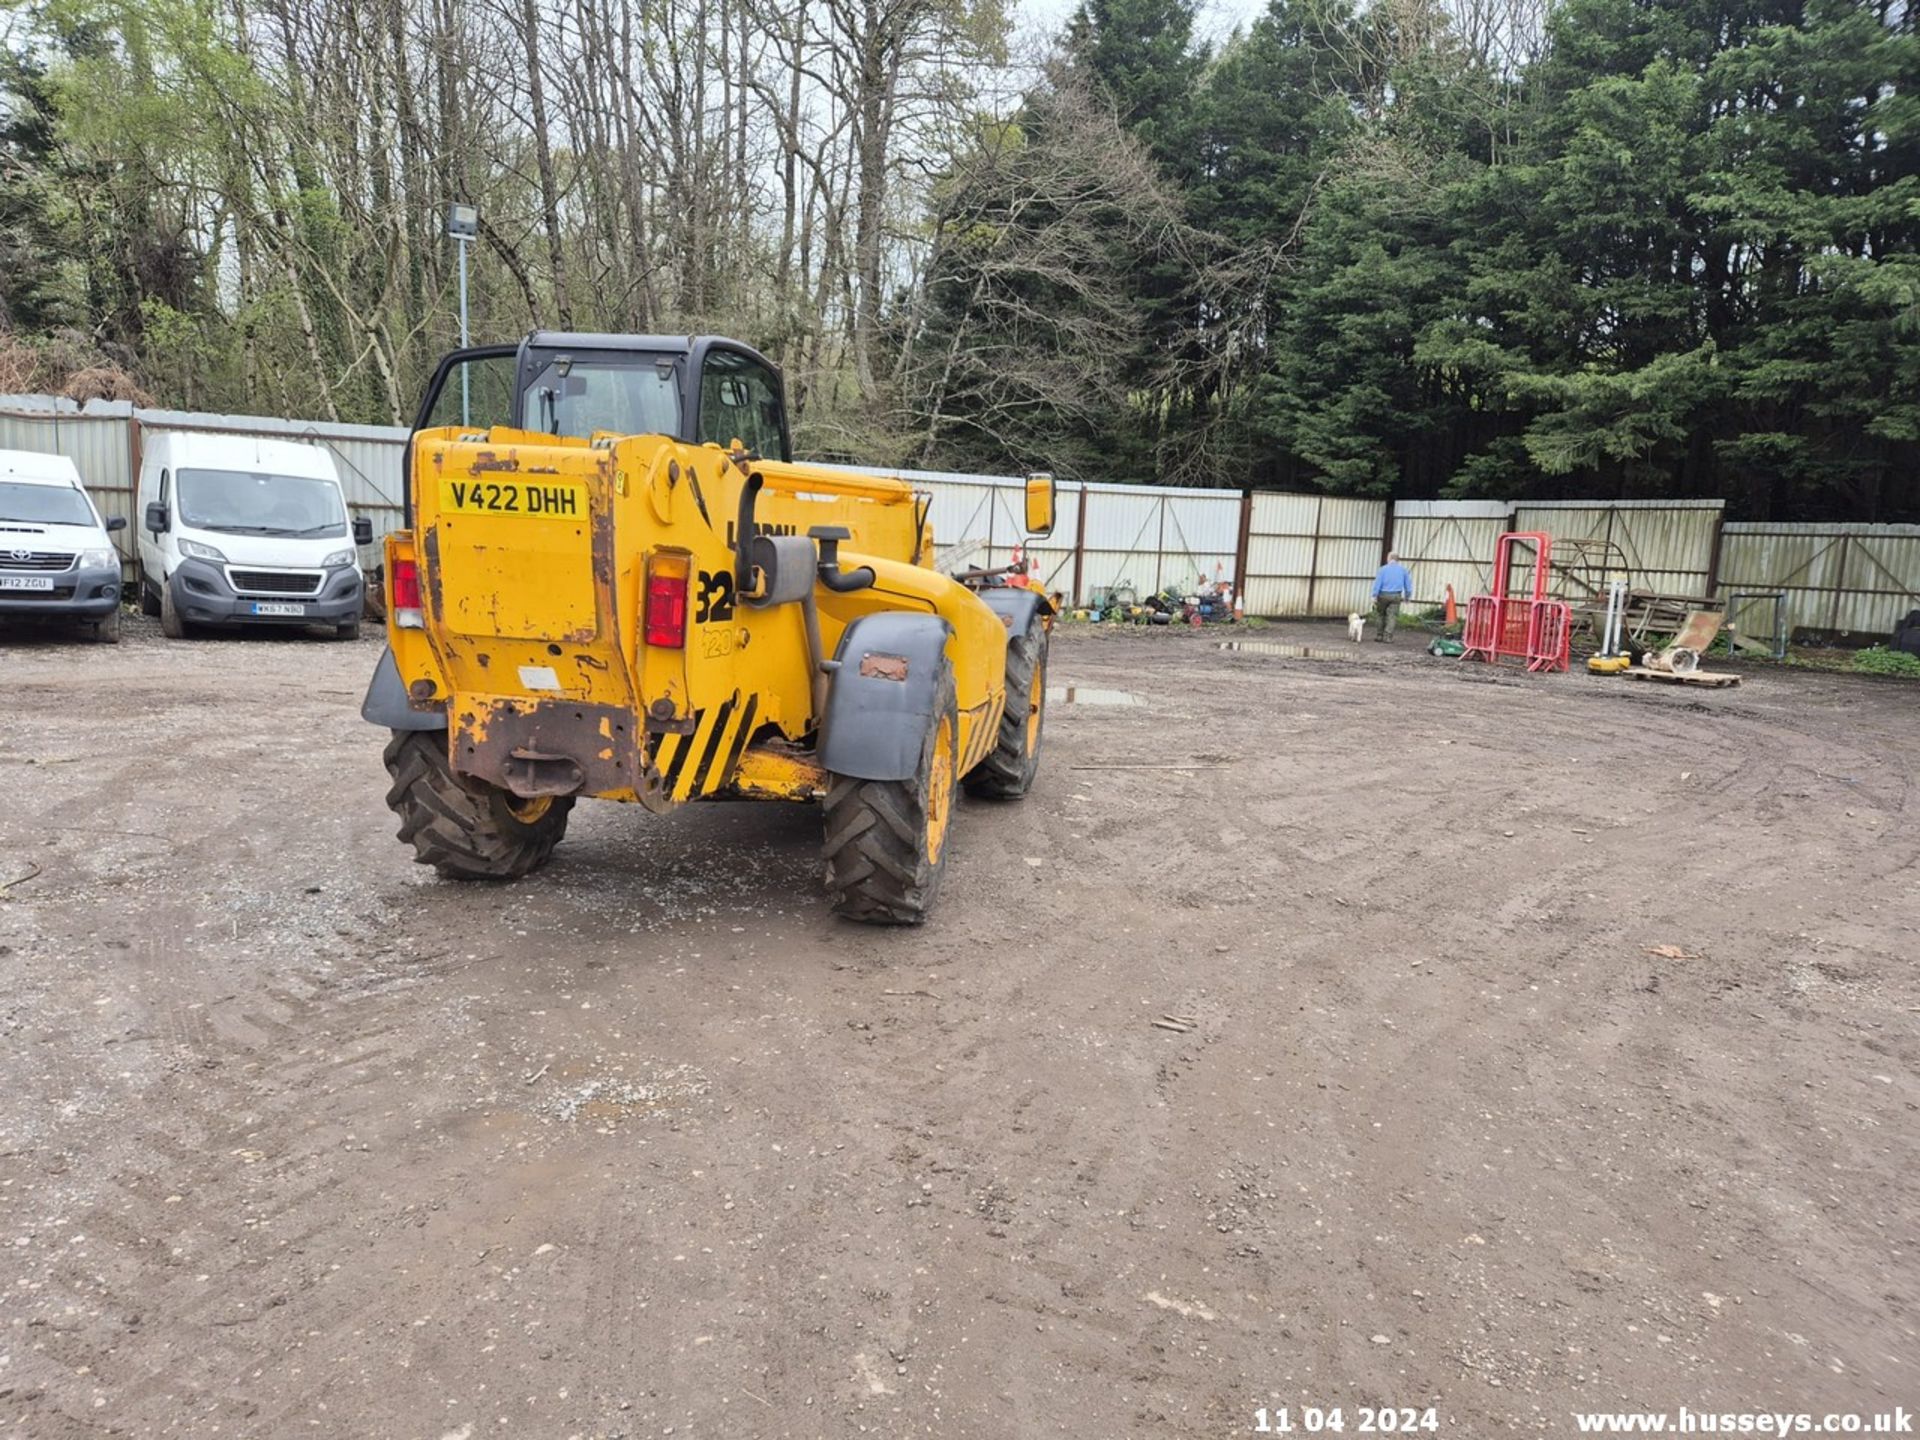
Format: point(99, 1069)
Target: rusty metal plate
point(875, 666)
point(524, 746)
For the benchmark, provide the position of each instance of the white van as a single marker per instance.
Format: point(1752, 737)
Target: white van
point(56, 562)
point(236, 530)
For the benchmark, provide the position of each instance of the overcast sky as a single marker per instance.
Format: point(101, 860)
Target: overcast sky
point(1217, 17)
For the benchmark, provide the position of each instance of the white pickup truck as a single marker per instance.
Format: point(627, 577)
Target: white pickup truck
point(56, 562)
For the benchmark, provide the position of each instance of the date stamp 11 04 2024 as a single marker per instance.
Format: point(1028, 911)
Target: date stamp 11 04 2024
point(1338, 1419)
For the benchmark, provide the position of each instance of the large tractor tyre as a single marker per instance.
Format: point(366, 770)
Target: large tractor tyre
point(464, 829)
point(886, 840)
point(173, 625)
point(1007, 772)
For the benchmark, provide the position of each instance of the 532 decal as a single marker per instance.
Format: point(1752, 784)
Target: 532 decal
point(714, 604)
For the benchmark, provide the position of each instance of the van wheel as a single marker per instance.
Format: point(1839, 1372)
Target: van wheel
point(149, 597)
point(172, 625)
point(464, 829)
point(1007, 772)
point(106, 630)
point(348, 631)
point(886, 840)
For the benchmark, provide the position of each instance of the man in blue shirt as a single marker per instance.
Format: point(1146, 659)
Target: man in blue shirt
point(1391, 588)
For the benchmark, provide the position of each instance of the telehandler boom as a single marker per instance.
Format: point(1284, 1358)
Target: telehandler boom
point(615, 583)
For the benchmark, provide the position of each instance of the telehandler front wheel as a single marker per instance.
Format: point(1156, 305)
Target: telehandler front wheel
point(887, 839)
point(1007, 772)
point(464, 829)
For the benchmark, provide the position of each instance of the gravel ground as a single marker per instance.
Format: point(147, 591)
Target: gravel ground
point(1537, 1044)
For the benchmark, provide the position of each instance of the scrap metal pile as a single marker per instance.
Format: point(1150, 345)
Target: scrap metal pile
point(1208, 602)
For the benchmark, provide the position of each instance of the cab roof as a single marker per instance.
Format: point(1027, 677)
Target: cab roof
point(32, 467)
point(587, 340)
point(694, 345)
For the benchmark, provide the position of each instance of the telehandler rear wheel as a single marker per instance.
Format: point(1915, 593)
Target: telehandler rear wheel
point(1007, 772)
point(887, 839)
point(466, 830)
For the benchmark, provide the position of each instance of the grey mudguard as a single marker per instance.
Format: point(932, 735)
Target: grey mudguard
point(386, 703)
point(1015, 606)
point(875, 726)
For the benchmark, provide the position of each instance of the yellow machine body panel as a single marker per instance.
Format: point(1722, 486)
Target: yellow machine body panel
point(534, 557)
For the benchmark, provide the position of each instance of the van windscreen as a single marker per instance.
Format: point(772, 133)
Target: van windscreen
point(241, 502)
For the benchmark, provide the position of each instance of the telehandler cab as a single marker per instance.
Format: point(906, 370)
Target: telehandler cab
point(616, 583)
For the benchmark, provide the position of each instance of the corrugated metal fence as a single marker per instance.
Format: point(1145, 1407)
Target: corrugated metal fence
point(104, 441)
point(1449, 542)
point(1294, 555)
point(1857, 579)
point(1104, 536)
point(1667, 545)
point(1311, 554)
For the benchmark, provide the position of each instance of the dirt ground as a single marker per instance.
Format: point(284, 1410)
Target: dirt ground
point(298, 1139)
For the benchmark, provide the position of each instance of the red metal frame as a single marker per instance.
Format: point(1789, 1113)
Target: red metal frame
point(1528, 627)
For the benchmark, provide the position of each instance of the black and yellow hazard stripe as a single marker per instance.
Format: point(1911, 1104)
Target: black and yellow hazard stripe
point(742, 733)
point(984, 737)
point(670, 753)
point(703, 760)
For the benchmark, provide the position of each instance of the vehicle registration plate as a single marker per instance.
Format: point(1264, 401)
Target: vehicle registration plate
point(26, 582)
point(558, 499)
point(264, 609)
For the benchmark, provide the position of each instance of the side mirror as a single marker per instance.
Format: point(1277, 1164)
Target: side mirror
point(157, 518)
point(1040, 506)
point(362, 530)
point(116, 522)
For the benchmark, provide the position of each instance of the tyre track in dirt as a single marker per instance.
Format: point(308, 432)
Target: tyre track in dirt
point(1546, 1167)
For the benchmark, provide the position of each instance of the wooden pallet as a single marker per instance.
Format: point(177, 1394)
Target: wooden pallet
point(1712, 680)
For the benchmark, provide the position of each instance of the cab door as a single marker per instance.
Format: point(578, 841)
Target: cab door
point(470, 388)
point(739, 397)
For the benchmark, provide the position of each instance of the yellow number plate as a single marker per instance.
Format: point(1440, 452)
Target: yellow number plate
point(540, 497)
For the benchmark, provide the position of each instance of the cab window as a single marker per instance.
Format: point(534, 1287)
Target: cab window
point(740, 400)
point(621, 394)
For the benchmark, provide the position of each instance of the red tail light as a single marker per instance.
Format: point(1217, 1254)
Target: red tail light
point(406, 585)
point(666, 611)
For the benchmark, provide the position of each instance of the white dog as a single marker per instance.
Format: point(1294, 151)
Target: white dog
point(1356, 627)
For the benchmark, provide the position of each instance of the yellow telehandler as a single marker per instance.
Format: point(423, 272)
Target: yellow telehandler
point(615, 583)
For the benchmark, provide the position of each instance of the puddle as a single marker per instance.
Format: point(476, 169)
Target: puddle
point(1087, 695)
point(612, 1098)
point(1294, 652)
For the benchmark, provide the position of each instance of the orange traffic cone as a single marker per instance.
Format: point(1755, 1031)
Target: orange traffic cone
point(1453, 609)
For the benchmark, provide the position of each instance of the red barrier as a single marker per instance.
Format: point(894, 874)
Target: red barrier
point(1550, 640)
point(1482, 634)
point(1526, 627)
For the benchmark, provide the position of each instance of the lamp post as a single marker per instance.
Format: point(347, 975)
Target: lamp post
point(463, 224)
